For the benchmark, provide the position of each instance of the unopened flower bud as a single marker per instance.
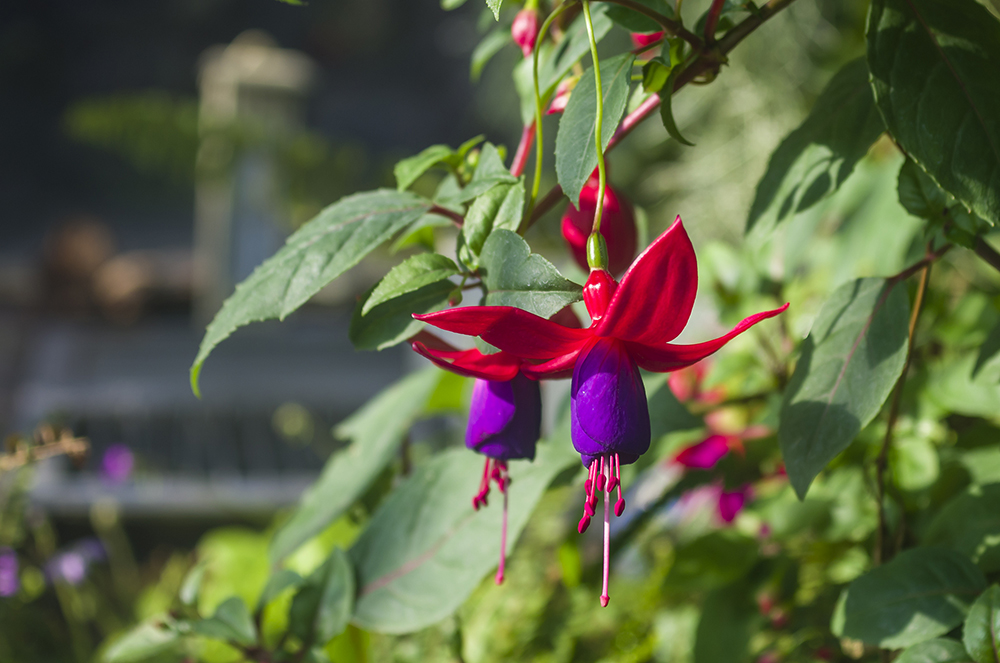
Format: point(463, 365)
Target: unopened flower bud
point(617, 227)
point(524, 30)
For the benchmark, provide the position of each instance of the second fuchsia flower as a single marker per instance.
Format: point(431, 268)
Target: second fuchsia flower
point(632, 326)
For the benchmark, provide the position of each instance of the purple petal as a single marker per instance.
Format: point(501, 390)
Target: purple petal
point(117, 463)
point(505, 418)
point(608, 411)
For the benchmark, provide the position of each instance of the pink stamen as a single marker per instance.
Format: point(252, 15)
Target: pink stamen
point(607, 552)
point(503, 542)
point(600, 477)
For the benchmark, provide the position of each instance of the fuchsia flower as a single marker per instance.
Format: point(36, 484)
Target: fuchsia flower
point(524, 30)
point(632, 326)
point(505, 416)
point(617, 226)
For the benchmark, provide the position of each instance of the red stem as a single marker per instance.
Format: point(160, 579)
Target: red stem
point(523, 150)
point(713, 21)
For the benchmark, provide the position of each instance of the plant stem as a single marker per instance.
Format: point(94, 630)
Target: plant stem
point(442, 211)
point(540, 143)
point(670, 26)
point(932, 256)
point(713, 20)
point(598, 121)
point(987, 253)
point(882, 463)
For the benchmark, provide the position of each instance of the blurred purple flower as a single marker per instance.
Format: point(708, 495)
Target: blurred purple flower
point(71, 565)
point(9, 583)
point(117, 463)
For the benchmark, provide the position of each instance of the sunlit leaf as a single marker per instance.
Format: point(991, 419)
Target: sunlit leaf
point(230, 623)
point(849, 364)
point(322, 606)
point(939, 650)
point(516, 277)
point(981, 633)
point(933, 65)
point(970, 524)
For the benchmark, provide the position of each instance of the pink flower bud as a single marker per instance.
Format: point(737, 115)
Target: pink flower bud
point(524, 30)
point(617, 227)
point(562, 93)
point(641, 39)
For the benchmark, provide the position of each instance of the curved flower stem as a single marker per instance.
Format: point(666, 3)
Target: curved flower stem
point(540, 143)
point(882, 463)
point(670, 26)
point(704, 62)
point(598, 121)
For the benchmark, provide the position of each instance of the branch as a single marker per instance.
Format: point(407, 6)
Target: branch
point(931, 257)
point(986, 252)
point(447, 213)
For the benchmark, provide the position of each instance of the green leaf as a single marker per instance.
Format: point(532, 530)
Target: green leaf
point(487, 48)
point(412, 274)
point(667, 112)
point(576, 155)
point(989, 351)
point(425, 549)
point(712, 560)
point(633, 21)
point(918, 595)
point(494, 5)
point(655, 74)
point(919, 194)
point(451, 4)
point(815, 159)
point(322, 607)
point(933, 70)
point(144, 642)
point(939, 650)
point(516, 277)
point(391, 322)
point(981, 633)
point(500, 207)
point(408, 170)
point(230, 623)
point(970, 524)
point(375, 431)
point(849, 364)
point(729, 618)
point(666, 413)
point(490, 171)
point(320, 251)
point(281, 580)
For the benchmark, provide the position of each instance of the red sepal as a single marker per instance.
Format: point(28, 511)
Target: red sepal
point(669, 357)
point(512, 329)
point(472, 363)
point(654, 299)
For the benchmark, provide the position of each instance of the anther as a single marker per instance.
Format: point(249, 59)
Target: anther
point(620, 507)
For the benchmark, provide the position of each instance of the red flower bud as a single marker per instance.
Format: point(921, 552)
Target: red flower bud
point(524, 30)
point(561, 96)
point(642, 39)
point(617, 226)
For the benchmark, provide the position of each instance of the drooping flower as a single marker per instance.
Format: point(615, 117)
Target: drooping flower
point(632, 325)
point(524, 30)
point(617, 226)
point(505, 415)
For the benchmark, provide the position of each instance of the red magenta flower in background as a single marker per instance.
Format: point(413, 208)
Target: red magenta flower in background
point(644, 39)
point(505, 415)
point(617, 226)
point(632, 326)
point(524, 30)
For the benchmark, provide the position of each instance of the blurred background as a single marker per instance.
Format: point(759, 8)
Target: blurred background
point(153, 153)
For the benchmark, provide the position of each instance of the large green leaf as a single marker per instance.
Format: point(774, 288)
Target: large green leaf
point(576, 155)
point(322, 607)
point(487, 48)
point(500, 207)
point(490, 171)
point(729, 618)
point(516, 277)
point(375, 431)
point(408, 170)
point(315, 255)
point(981, 634)
point(848, 366)
point(425, 549)
point(920, 594)
point(391, 322)
point(231, 622)
point(815, 159)
point(989, 352)
point(934, 70)
point(970, 524)
point(939, 650)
